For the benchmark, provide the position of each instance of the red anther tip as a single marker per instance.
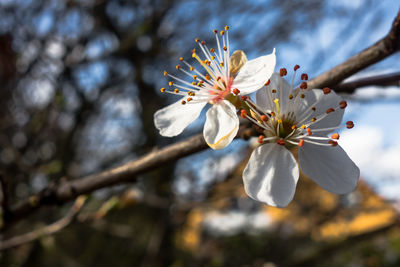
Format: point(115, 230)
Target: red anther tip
point(260, 139)
point(333, 143)
point(329, 110)
point(215, 31)
point(264, 117)
point(326, 90)
point(183, 102)
point(280, 142)
point(282, 72)
point(267, 83)
point(343, 104)
point(236, 91)
point(296, 67)
point(203, 42)
point(309, 132)
point(294, 127)
point(243, 97)
point(301, 143)
point(303, 85)
point(304, 77)
point(349, 124)
point(243, 113)
point(335, 136)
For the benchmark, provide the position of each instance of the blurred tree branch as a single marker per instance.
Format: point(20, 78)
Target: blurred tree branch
point(378, 80)
point(58, 194)
point(47, 230)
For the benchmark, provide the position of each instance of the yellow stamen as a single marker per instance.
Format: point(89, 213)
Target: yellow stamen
point(276, 101)
point(204, 65)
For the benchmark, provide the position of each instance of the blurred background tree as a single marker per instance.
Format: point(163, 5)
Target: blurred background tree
point(79, 86)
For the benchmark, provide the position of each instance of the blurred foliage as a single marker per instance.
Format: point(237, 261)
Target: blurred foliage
point(79, 86)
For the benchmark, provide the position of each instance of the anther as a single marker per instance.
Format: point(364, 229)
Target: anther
point(225, 48)
point(304, 77)
point(181, 59)
point(194, 77)
point(343, 104)
point(326, 90)
point(261, 139)
point(226, 27)
point(243, 113)
point(296, 67)
point(268, 82)
point(293, 127)
point(301, 143)
point(280, 142)
point(203, 42)
point(207, 77)
point(349, 124)
point(313, 119)
point(264, 117)
point(274, 91)
point(309, 132)
point(272, 114)
point(165, 73)
point(329, 110)
point(222, 32)
point(282, 72)
point(302, 95)
point(194, 83)
point(178, 67)
point(221, 64)
point(162, 90)
point(189, 99)
point(303, 85)
point(243, 97)
point(280, 121)
point(236, 91)
point(314, 108)
point(176, 90)
point(290, 96)
point(197, 40)
point(215, 31)
point(212, 57)
point(335, 136)
point(183, 102)
point(303, 126)
point(191, 68)
point(212, 50)
point(333, 143)
point(170, 83)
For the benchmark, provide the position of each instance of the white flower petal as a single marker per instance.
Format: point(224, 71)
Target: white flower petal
point(271, 175)
point(173, 119)
point(265, 96)
point(330, 167)
point(255, 73)
point(221, 125)
point(330, 100)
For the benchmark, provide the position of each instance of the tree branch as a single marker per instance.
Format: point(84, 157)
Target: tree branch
point(379, 80)
point(385, 47)
point(67, 191)
point(47, 230)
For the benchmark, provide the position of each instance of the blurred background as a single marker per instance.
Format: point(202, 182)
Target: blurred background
point(79, 84)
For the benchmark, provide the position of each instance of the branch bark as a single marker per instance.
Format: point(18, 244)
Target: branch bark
point(379, 80)
point(47, 230)
point(64, 192)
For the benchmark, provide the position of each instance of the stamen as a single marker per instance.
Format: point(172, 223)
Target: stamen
point(343, 104)
point(304, 77)
point(243, 113)
point(261, 139)
point(335, 136)
point(349, 124)
point(326, 90)
point(303, 85)
point(282, 72)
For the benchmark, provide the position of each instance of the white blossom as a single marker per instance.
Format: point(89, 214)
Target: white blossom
point(297, 118)
point(221, 81)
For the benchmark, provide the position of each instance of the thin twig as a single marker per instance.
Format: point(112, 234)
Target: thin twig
point(378, 80)
point(47, 230)
point(127, 172)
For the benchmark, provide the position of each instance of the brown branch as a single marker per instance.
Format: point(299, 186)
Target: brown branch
point(378, 80)
point(4, 202)
point(67, 191)
point(47, 230)
point(385, 47)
